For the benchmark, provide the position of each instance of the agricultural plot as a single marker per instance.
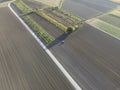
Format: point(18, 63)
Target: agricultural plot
point(116, 12)
point(105, 27)
point(108, 23)
point(26, 10)
point(34, 4)
point(22, 6)
point(111, 19)
point(88, 9)
point(63, 17)
point(60, 18)
point(48, 27)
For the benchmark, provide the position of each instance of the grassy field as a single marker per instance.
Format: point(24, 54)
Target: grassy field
point(61, 19)
point(111, 19)
point(105, 27)
point(108, 23)
point(117, 13)
point(22, 6)
point(61, 26)
point(38, 29)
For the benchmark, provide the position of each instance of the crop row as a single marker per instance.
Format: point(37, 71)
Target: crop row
point(34, 26)
point(39, 30)
point(22, 6)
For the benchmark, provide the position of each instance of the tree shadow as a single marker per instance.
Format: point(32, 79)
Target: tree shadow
point(59, 40)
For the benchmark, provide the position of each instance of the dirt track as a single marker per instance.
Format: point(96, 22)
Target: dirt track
point(23, 63)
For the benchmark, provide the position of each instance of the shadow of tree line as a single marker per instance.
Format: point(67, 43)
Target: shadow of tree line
point(59, 40)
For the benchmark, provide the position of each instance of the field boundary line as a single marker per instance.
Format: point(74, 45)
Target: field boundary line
point(63, 70)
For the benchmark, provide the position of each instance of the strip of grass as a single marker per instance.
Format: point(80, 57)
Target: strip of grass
point(117, 13)
point(72, 16)
point(39, 30)
point(111, 20)
point(22, 6)
point(59, 25)
point(60, 4)
point(108, 28)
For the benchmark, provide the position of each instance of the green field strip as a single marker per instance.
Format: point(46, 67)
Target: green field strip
point(61, 3)
point(39, 30)
point(111, 20)
point(33, 25)
point(106, 27)
point(22, 6)
point(51, 20)
point(116, 13)
point(58, 23)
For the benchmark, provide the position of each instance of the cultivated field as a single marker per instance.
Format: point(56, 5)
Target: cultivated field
point(26, 10)
point(106, 27)
point(88, 9)
point(33, 4)
point(49, 27)
point(116, 12)
point(63, 19)
point(108, 23)
point(111, 19)
point(91, 56)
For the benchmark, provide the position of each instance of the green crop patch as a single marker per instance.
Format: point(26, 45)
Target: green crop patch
point(60, 18)
point(106, 27)
point(22, 6)
point(39, 30)
point(111, 19)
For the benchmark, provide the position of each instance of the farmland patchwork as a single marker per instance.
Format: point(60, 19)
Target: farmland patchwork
point(108, 23)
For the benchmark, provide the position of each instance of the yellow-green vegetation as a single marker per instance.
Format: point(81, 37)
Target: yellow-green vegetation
point(39, 30)
point(111, 19)
point(117, 13)
point(34, 26)
point(72, 16)
point(108, 22)
point(66, 21)
point(106, 27)
point(60, 4)
point(22, 6)
point(61, 26)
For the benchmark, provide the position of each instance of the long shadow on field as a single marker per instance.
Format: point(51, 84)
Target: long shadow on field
point(59, 40)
